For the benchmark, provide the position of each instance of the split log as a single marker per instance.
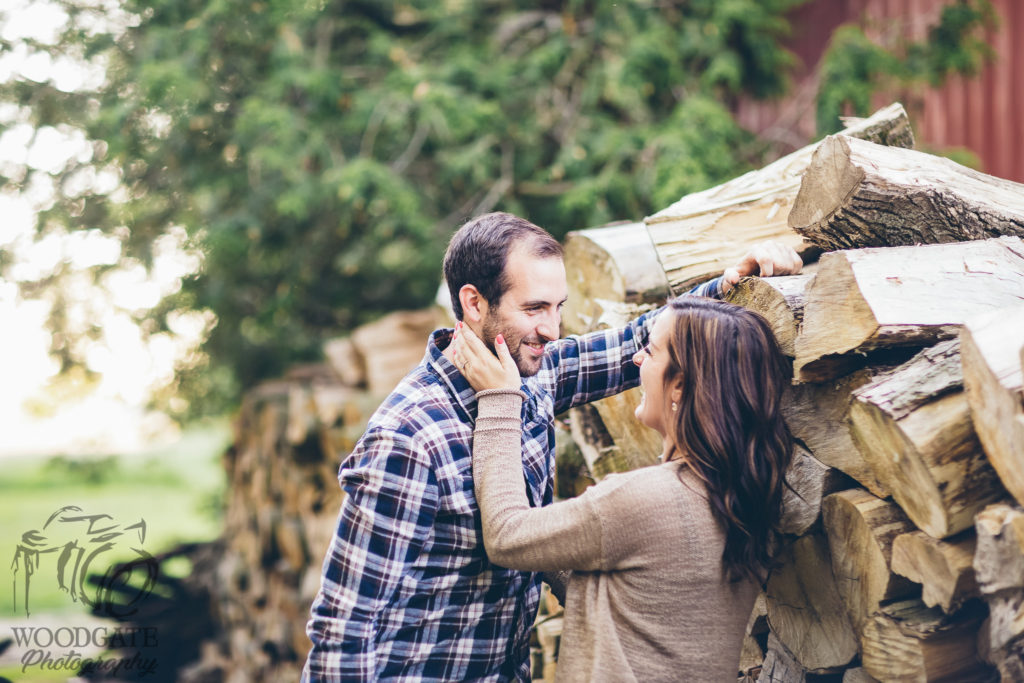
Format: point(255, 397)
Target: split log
point(780, 300)
point(863, 300)
point(913, 427)
point(752, 652)
point(999, 567)
point(394, 345)
point(809, 481)
point(780, 666)
point(945, 569)
point(857, 674)
point(706, 232)
point(861, 529)
point(856, 193)
point(609, 265)
point(346, 361)
point(805, 609)
point(907, 641)
point(991, 345)
point(808, 407)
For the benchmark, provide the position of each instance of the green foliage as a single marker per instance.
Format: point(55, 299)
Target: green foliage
point(319, 154)
point(854, 67)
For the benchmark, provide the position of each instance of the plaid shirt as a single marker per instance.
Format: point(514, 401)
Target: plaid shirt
point(407, 591)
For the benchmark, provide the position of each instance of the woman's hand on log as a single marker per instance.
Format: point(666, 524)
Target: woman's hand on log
point(479, 366)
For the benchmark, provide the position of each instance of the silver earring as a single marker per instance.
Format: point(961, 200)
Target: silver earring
point(674, 406)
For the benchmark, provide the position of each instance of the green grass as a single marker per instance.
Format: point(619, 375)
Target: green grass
point(175, 489)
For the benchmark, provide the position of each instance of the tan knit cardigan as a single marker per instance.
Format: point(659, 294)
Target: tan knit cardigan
point(646, 600)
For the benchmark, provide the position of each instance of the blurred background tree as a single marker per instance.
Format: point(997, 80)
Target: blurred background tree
point(316, 156)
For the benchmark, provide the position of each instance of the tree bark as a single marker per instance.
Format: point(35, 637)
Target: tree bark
point(864, 300)
point(816, 415)
point(705, 232)
point(609, 265)
point(914, 429)
point(856, 193)
point(945, 569)
point(780, 300)
point(804, 607)
point(861, 529)
point(907, 641)
point(991, 346)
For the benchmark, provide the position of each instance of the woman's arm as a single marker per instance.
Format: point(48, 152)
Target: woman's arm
point(565, 535)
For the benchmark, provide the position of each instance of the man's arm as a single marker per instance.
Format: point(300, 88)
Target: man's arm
point(389, 507)
point(600, 364)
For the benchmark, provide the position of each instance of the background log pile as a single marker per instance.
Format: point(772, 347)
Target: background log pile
point(903, 556)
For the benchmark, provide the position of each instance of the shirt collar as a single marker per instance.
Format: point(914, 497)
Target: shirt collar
point(460, 389)
point(463, 394)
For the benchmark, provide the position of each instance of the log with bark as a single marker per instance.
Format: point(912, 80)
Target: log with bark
point(991, 346)
point(809, 480)
point(999, 568)
point(913, 427)
point(779, 300)
point(817, 417)
point(864, 300)
point(906, 641)
point(805, 610)
point(615, 264)
point(705, 232)
point(945, 569)
point(861, 529)
point(856, 193)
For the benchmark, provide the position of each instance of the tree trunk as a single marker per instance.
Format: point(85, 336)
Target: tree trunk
point(945, 569)
point(991, 347)
point(780, 300)
point(907, 641)
point(610, 265)
point(816, 415)
point(804, 607)
point(861, 529)
point(868, 299)
point(856, 193)
point(914, 429)
point(705, 232)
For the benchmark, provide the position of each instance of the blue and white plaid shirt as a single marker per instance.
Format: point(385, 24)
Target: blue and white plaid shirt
point(407, 591)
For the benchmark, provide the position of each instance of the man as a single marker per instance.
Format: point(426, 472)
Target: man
point(407, 590)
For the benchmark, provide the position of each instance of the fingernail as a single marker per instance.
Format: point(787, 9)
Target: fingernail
point(500, 339)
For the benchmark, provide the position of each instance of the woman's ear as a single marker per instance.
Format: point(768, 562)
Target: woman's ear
point(474, 305)
point(676, 394)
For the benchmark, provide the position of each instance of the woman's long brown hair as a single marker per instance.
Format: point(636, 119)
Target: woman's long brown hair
point(728, 427)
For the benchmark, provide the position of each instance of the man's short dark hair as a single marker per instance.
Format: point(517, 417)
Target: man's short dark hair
point(479, 250)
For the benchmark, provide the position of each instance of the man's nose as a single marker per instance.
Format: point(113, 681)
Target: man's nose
point(548, 327)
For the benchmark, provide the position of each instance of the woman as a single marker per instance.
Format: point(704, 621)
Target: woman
point(667, 559)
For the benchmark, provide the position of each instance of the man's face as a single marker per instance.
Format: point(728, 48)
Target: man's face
point(529, 313)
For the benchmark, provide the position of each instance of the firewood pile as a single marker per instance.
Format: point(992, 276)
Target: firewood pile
point(903, 545)
point(902, 558)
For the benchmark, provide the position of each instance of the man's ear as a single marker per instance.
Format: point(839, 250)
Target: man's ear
point(474, 305)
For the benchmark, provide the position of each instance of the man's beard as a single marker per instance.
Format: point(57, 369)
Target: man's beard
point(492, 328)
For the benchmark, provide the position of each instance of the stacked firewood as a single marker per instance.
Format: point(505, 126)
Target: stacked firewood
point(903, 555)
point(283, 496)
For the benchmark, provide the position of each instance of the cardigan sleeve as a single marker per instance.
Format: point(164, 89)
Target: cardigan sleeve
point(564, 535)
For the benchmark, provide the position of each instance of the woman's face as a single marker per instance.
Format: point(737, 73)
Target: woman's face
point(652, 360)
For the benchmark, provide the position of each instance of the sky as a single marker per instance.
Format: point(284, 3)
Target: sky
point(37, 414)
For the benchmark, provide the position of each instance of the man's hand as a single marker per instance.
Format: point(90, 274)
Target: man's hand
point(765, 259)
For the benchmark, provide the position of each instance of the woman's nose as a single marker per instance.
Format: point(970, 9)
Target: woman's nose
point(638, 358)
